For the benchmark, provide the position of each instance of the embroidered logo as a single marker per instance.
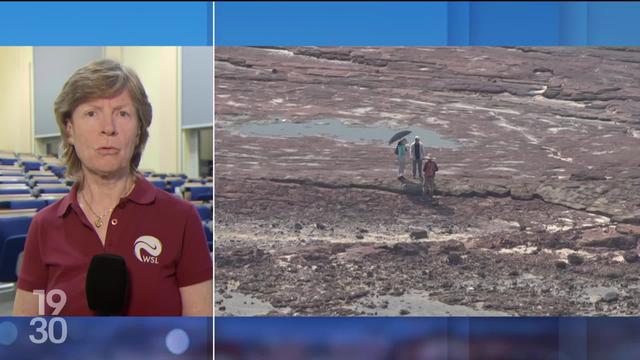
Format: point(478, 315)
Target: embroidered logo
point(151, 245)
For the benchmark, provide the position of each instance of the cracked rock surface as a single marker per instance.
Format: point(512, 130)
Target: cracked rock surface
point(537, 212)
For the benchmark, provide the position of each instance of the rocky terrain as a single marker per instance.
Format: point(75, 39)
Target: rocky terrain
point(537, 211)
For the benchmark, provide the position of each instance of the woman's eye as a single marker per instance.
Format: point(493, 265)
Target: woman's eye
point(124, 113)
point(91, 113)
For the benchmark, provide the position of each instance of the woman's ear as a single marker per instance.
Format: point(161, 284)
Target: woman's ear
point(69, 131)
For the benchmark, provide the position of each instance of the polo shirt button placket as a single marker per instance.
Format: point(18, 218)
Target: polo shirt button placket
point(114, 222)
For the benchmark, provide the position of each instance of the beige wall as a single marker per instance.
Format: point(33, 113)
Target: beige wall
point(15, 102)
point(158, 71)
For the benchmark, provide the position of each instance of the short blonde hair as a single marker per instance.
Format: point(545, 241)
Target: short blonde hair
point(101, 79)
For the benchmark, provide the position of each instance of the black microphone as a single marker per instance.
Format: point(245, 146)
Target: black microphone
point(107, 285)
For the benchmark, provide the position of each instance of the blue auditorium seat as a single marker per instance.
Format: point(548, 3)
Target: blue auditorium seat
point(176, 182)
point(11, 180)
point(160, 184)
point(13, 231)
point(57, 170)
point(205, 212)
point(14, 191)
point(51, 201)
point(47, 181)
point(60, 190)
point(9, 254)
point(8, 161)
point(201, 193)
point(27, 204)
point(11, 173)
point(31, 165)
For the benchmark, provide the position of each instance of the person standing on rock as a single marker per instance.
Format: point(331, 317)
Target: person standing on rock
point(417, 154)
point(402, 152)
point(428, 183)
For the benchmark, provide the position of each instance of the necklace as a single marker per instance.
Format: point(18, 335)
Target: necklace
point(98, 223)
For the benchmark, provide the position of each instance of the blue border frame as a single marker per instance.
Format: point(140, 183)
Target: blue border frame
point(106, 23)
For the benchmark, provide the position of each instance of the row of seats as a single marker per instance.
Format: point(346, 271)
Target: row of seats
point(36, 191)
point(14, 226)
point(189, 189)
point(30, 162)
point(29, 183)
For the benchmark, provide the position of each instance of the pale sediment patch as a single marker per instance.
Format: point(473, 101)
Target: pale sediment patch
point(236, 104)
point(555, 154)
point(520, 249)
point(603, 152)
point(306, 157)
point(539, 91)
point(562, 254)
point(287, 53)
point(554, 102)
point(246, 156)
point(361, 111)
point(477, 133)
point(393, 115)
point(475, 107)
point(436, 121)
point(499, 168)
point(555, 130)
point(250, 147)
point(413, 101)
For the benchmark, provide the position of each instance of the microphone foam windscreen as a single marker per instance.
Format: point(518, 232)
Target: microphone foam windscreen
point(107, 284)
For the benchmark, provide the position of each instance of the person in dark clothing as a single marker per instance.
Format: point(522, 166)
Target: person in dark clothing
point(430, 168)
point(417, 154)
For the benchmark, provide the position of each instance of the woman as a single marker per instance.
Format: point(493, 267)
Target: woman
point(103, 114)
point(402, 153)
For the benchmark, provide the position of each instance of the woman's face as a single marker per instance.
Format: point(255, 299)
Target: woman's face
point(104, 133)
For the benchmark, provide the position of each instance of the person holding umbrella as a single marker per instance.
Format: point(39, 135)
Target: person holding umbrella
point(401, 150)
point(402, 153)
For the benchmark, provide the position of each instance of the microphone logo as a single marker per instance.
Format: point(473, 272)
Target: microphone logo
point(151, 245)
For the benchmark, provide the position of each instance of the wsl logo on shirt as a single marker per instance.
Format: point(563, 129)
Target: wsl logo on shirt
point(151, 245)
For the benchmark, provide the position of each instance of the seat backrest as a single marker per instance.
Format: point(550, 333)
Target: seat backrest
point(9, 254)
point(13, 231)
point(201, 193)
point(8, 161)
point(15, 191)
point(205, 212)
point(47, 190)
point(161, 184)
point(16, 225)
point(27, 204)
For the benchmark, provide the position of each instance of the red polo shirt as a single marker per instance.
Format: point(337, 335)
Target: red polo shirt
point(61, 243)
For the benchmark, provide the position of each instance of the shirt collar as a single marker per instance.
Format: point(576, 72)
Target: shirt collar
point(143, 193)
point(68, 200)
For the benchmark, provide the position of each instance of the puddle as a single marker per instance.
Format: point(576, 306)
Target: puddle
point(336, 129)
point(417, 303)
point(596, 293)
point(243, 305)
